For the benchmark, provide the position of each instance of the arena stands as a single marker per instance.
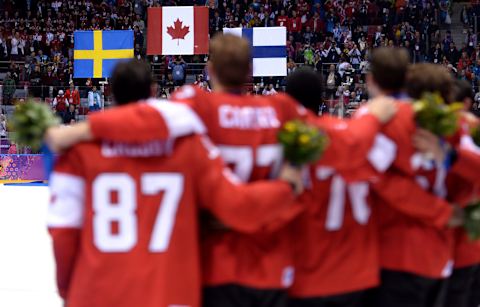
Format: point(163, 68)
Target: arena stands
point(36, 39)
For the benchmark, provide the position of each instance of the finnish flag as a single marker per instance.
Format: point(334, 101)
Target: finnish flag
point(269, 49)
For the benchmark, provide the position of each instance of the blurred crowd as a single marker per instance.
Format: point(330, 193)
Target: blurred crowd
point(36, 38)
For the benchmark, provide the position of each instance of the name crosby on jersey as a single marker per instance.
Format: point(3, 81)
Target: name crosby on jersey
point(247, 117)
point(150, 149)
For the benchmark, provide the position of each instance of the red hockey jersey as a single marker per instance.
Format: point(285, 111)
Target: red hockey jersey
point(245, 129)
point(336, 246)
point(336, 250)
point(413, 236)
point(466, 168)
point(123, 219)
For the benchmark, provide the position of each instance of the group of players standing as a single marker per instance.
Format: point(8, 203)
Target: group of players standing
point(144, 213)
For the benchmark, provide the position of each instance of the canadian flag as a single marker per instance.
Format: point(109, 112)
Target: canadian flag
point(177, 30)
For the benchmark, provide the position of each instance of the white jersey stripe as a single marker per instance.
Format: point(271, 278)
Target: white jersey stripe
point(180, 119)
point(66, 208)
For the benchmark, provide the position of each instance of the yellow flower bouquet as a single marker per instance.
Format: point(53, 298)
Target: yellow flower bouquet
point(302, 143)
point(432, 114)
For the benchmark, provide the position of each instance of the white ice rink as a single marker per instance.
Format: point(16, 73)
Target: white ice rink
point(27, 270)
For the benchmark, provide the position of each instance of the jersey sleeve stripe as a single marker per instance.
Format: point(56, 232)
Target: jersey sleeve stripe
point(66, 208)
point(467, 143)
point(180, 119)
point(383, 153)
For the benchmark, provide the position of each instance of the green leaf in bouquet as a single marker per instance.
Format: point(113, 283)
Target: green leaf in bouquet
point(29, 123)
point(475, 132)
point(472, 221)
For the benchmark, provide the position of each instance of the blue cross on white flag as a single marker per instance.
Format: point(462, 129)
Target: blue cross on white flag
point(269, 49)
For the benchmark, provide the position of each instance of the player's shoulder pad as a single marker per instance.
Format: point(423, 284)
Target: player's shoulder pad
point(362, 111)
point(187, 92)
point(468, 121)
point(287, 100)
point(179, 118)
point(467, 143)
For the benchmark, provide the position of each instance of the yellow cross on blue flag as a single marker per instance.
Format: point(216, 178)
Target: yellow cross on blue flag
point(96, 52)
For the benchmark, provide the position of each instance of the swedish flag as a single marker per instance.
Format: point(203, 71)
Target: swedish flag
point(96, 52)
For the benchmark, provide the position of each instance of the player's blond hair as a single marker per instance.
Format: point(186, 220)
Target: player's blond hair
point(230, 59)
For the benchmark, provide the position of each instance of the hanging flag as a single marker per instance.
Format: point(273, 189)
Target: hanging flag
point(269, 49)
point(96, 52)
point(177, 30)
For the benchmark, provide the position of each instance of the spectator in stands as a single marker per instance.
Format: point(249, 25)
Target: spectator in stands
point(216, 23)
point(332, 53)
point(202, 83)
point(269, 90)
point(15, 72)
point(70, 116)
point(9, 88)
point(308, 55)
point(73, 95)
point(94, 100)
point(3, 126)
point(3, 47)
point(35, 81)
point(137, 36)
point(48, 79)
point(470, 40)
point(139, 23)
point(178, 68)
point(282, 20)
point(43, 35)
point(16, 46)
point(355, 56)
point(452, 54)
point(436, 54)
point(295, 25)
point(333, 80)
point(60, 104)
point(465, 15)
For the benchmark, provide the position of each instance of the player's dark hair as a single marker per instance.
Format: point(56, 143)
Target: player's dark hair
point(306, 86)
point(462, 90)
point(388, 67)
point(131, 82)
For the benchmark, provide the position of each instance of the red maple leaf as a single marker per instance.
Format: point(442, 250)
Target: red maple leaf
point(178, 31)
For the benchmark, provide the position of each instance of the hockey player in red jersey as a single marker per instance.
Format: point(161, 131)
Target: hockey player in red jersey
point(465, 280)
point(123, 217)
point(336, 249)
point(462, 188)
point(415, 244)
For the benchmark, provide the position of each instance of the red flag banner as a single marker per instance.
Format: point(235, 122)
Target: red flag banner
point(178, 30)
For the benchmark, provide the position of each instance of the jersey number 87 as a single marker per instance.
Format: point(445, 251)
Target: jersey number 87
point(123, 212)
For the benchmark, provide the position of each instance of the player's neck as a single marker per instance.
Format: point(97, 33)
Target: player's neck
point(218, 88)
point(399, 94)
